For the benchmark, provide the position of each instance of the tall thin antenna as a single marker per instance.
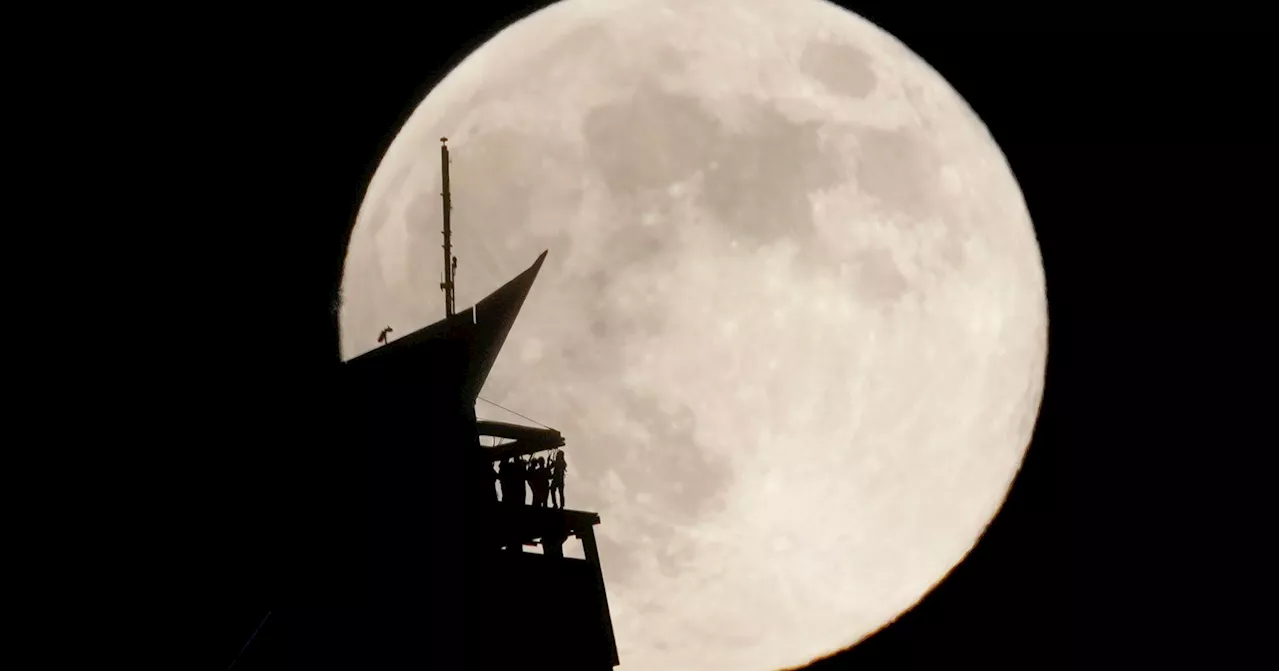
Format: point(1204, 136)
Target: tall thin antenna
point(450, 261)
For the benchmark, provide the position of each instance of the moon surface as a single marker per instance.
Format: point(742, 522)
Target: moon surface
point(792, 323)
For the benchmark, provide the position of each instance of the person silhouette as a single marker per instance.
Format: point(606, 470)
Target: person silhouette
point(558, 467)
point(540, 483)
point(512, 476)
point(531, 479)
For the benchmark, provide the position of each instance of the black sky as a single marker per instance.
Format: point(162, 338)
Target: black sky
point(1142, 145)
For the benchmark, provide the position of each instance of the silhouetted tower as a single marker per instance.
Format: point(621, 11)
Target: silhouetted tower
point(450, 261)
point(458, 579)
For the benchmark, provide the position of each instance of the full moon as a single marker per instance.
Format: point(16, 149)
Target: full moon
point(792, 323)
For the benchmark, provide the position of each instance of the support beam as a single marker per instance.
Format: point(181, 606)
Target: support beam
point(487, 427)
point(588, 537)
point(518, 448)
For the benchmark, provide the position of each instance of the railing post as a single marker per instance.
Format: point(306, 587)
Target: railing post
point(553, 546)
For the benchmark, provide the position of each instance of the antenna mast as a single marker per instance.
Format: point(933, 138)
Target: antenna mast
point(450, 261)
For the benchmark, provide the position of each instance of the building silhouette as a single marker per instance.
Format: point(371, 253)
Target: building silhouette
point(458, 578)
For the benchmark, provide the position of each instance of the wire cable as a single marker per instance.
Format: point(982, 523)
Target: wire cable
point(514, 412)
point(251, 637)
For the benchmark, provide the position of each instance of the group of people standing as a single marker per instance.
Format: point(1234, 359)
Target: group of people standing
point(543, 477)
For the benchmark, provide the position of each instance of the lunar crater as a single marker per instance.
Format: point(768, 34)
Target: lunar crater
point(842, 68)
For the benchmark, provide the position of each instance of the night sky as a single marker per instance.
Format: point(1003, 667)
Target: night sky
point(1140, 148)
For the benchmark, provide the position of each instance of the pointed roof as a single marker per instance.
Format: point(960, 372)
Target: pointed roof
point(481, 330)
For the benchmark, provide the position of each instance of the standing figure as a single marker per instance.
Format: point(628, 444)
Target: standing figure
point(512, 477)
point(540, 483)
point(529, 481)
point(558, 466)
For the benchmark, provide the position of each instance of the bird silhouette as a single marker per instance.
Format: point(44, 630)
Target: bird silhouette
point(382, 337)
